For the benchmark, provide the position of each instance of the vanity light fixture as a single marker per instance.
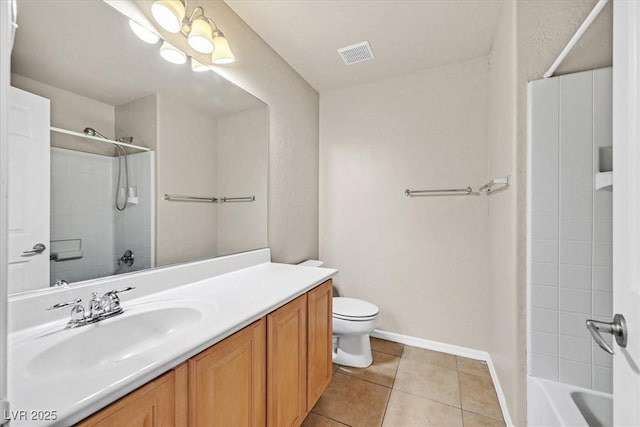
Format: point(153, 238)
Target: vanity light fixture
point(169, 14)
point(201, 31)
point(172, 54)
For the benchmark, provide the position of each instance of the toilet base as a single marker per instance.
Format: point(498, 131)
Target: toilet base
point(354, 351)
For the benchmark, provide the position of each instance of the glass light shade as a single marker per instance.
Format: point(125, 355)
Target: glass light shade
point(200, 36)
point(198, 67)
point(172, 54)
point(169, 14)
point(222, 53)
point(143, 34)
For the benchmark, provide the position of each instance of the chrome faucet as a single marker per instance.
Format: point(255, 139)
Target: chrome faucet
point(108, 305)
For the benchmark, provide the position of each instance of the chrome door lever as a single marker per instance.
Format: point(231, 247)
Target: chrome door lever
point(617, 328)
point(38, 248)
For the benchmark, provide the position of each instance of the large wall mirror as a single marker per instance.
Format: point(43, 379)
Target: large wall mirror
point(190, 183)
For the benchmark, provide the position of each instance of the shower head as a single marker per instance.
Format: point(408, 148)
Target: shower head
point(93, 132)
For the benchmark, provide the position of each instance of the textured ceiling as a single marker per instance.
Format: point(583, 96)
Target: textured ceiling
point(405, 35)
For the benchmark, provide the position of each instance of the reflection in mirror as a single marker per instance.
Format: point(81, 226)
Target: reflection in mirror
point(102, 129)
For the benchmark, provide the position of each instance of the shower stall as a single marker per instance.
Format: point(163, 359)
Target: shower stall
point(100, 224)
point(569, 246)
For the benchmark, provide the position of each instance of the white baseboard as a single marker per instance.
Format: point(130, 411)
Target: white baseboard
point(456, 350)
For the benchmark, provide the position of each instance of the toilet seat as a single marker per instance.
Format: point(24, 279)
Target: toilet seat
point(353, 309)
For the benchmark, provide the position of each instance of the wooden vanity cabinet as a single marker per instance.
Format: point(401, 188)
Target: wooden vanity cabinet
point(227, 381)
point(287, 364)
point(319, 341)
point(270, 373)
point(159, 403)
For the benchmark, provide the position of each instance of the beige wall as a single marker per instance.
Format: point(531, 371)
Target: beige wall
point(186, 164)
point(293, 135)
point(422, 260)
point(507, 299)
point(73, 112)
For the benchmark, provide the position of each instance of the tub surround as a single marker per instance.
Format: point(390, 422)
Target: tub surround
point(229, 300)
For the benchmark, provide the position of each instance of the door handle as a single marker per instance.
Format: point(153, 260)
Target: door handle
point(617, 328)
point(38, 248)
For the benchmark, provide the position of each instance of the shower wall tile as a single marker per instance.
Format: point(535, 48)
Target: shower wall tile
point(574, 252)
point(544, 274)
point(603, 204)
point(576, 204)
point(600, 357)
point(603, 379)
point(544, 227)
point(603, 229)
point(603, 304)
point(576, 228)
point(575, 301)
point(575, 276)
point(575, 373)
point(544, 204)
point(544, 367)
point(544, 251)
point(544, 320)
point(602, 254)
point(602, 278)
point(575, 349)
point(544, 297)
point(573, 324)
point(570, 120)
point(544, 343)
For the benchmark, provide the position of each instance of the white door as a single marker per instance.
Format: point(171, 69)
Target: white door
point(626, 208)
point(29, 176)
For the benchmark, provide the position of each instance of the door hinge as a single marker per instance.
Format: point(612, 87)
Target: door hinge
point(4, 410)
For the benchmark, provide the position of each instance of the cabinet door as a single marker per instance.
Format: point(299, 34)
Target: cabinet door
point(319, 340)
point(227, 381)
point(287, 364)
point(152, 405)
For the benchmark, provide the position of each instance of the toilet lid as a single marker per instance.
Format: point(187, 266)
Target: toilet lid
point(353, 308)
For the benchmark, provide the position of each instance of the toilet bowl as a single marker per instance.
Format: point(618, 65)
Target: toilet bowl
point(353, 320)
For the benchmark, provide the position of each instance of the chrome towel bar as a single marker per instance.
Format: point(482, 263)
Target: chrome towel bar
point(238, 199)
point(444, 192)
point(178, 198)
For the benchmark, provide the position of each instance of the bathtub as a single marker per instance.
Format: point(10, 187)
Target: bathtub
point(552, 404)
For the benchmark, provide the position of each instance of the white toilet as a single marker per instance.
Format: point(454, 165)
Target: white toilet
point(353, 320)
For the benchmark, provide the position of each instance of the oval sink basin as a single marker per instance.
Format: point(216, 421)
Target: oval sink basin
point(114, 340)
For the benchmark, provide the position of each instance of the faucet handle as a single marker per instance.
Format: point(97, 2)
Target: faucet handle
point(75, 302)
point(127, 289)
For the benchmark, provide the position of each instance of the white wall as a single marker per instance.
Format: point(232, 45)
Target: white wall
point(422, 260)
point(243, 147)
point(570, 228)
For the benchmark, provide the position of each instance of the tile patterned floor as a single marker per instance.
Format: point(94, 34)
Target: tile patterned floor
point(409, 386)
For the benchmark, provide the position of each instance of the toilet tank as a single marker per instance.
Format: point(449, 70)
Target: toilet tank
point(312, 263)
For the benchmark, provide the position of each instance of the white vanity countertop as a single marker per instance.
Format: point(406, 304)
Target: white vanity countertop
point(77, 388)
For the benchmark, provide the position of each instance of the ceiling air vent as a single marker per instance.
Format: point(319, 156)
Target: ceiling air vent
point(355, 53)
